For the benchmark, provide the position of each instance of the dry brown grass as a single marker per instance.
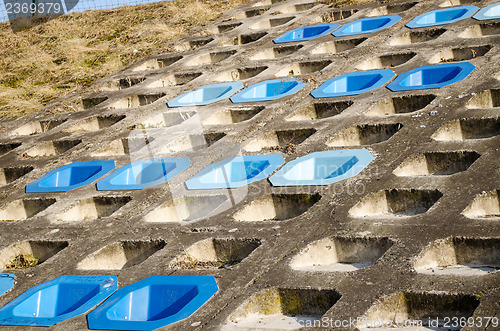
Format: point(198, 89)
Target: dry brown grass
point(69, 53)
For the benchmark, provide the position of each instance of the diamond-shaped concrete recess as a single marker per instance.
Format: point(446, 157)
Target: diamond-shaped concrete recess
point(239, 74)
point(122, 83)
point(460, 54)
point(367, 134)
point(386, 61)
point(481, 30)
point(303, 68)
point(162, 120)
point(124, 146)
point(400, 105)
point(221, 28)
point(210, 58)
point(282, 306)
point(244, 39)
point(185, 209)
point(340, 254)
point(275, 52)
point(137, 101)
point(5, 148)
point(51, 148)
point(175, 79)
point(319, 110)
point(233, 115)
point(460, 256)
point(9, 175)
point(22, 209)
point(38, 251)
point(484, 205)
point(485, 99)
point(121, 255)
point(279, 140)
point(193, 43)
point(395, 202)
point(37, 127)
point(95, 123)
point(436, 163)
point(215, 253)
point(87, 103)
point(93, 208)
point(156, 63)
point(336, 15)
point(391, 9)
point(187, 143)
point(271, 23)
point(468, 129)
point(337, 46)
point(299, 7)
point(253, 12)
point(421, 306)
point(276, 207)
point(414, 37)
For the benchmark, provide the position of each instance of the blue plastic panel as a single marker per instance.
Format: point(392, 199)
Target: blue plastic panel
point(269, 90)
point(71, 176)
point(488, 13)
point(322, 168)
point(57, 300)
point(143, 174)
point(206, 95)
point(6, 282)
point(153, 303)
point(433, 76)
point(235, 172)
point(442, 16)
point(367, 25)
point(353, 83)
point(306, 33)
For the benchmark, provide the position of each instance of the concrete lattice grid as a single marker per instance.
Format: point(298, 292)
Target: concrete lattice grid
point(429, 199)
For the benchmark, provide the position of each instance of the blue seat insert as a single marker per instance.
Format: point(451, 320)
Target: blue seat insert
point(57, 300)
point(152, 303)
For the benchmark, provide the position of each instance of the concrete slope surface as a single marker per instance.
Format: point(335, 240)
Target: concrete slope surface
point(411, 237)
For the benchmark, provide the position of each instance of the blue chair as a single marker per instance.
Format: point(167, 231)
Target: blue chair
point(269, 90)
point(57, 300)
point(152, 303)
point(70, 176)
point(6, 282)
point(432, 76)
point(235, 172)
point(206, 95)
point(488, 13)
point(353, 83)
point(322, 168)
point(442, 16)
point(306, 33)
point(367, 25)
point(143, 174)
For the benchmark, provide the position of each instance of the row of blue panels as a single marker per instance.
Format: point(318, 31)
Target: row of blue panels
point(374, 24)
point(426, 77)
point(149, 304)
point(354, 83)
point(319, 168)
